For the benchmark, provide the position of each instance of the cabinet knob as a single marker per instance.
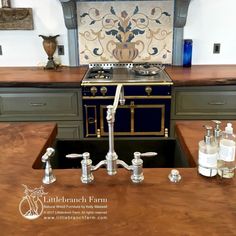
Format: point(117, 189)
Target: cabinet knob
point(93, 90)
point(103, 90)
point(148, 90)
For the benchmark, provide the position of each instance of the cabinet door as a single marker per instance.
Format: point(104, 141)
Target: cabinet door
point(70, 129)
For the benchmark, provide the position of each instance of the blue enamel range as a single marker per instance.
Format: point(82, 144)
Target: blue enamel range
point(147, 108)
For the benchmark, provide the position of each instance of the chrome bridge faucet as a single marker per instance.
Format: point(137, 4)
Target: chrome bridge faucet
point(112, 162)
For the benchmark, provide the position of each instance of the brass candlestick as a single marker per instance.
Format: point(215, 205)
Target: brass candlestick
point(50, 45)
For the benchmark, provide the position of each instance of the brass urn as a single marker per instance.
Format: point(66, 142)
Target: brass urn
point(50, 45)
point(6, 4)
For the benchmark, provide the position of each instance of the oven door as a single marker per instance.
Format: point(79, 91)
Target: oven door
point(138, 117)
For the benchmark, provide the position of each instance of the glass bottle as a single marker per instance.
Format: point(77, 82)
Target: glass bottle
point(226, 162)
point(187, 54)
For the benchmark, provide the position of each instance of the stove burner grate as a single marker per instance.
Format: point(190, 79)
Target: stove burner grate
point(100, 73)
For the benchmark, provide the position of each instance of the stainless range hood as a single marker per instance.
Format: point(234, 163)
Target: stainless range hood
point(70, 17)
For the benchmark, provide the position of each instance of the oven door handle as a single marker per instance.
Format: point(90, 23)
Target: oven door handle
point(91, 120)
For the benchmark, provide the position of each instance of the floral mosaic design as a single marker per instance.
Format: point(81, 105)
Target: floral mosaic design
point(125, 31)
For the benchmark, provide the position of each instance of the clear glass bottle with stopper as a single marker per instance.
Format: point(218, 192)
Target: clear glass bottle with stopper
point(208, 154)
point(226, 161)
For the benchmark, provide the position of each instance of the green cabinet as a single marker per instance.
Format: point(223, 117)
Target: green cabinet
point(203, 102)
point(60, 105)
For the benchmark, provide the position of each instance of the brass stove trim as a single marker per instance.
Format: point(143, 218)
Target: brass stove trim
point(128, 83)
point(128, 97)
point(132, 111)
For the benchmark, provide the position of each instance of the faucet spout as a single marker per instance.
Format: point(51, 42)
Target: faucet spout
point(122, 96)
point(119, 96)
point(111, 156)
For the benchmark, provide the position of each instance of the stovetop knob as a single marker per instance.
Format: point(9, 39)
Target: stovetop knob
point(103, 90)
point(93, 90)
point(148, 90)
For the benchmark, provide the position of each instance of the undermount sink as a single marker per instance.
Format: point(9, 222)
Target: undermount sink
point(169, 152)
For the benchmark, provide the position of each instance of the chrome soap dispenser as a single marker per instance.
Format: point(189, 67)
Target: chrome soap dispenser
point(208, 154)
point(217, 131)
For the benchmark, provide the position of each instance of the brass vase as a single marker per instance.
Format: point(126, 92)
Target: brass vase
point(6, 4)
point(50, 45)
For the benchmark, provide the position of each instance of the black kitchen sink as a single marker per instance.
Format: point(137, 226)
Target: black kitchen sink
point(169, 152)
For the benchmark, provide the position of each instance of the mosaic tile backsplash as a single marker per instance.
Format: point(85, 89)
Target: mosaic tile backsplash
point(125, 31)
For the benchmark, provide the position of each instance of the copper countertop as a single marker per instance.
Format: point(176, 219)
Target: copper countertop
point(37, 76)
point(195, 206)
point(197, 75)
point(202, 75)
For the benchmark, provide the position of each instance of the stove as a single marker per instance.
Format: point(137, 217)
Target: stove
point(112, 73)
point(147, 100)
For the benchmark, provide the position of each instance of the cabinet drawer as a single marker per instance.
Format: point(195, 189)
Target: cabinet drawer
point(205, 103)
point(39, 105)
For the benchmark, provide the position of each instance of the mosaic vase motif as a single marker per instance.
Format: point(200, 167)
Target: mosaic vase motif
point(125, 52)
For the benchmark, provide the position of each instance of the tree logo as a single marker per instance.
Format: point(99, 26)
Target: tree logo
point(31, 206)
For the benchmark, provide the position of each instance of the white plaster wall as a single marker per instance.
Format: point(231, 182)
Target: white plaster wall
point(24, 47)
point(209, 22)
